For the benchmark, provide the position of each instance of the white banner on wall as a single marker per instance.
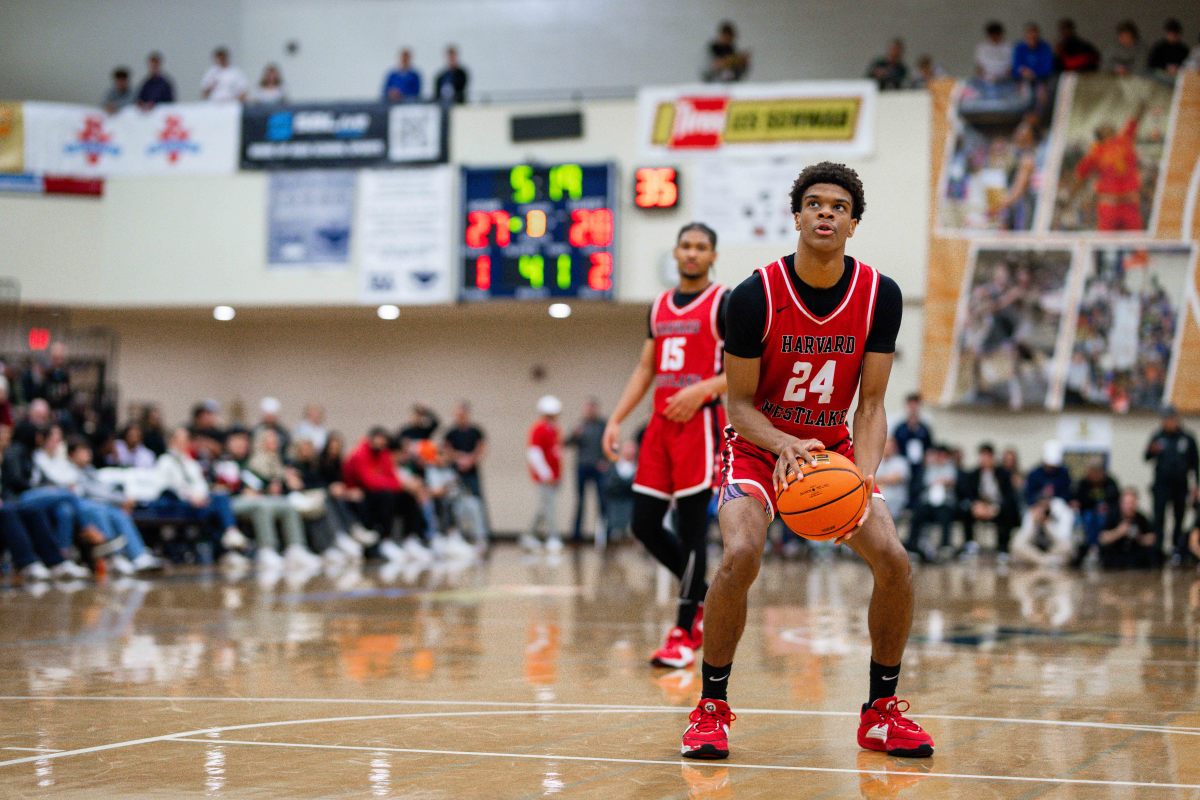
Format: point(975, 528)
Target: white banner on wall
point(179, 138)
point(806, 119)
point(309, 216)
point(746, 200)
point(405, 236)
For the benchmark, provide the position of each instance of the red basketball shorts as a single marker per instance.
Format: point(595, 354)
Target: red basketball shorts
point(747, 470)
point(678, 459)
point(1119, 217)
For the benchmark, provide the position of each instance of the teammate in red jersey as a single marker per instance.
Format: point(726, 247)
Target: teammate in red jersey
point(682, 359)
point(803, 336)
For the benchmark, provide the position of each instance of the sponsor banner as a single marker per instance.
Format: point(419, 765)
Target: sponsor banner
point(182, 138)
point(12, 138)
point(25, 183)
point(405, 221)
point(309, 217)
point(342, 135)
point(22, 184)
point(829, 118)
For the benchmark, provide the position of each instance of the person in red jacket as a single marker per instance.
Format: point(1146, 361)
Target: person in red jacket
point(372, 468)
point(544, 458)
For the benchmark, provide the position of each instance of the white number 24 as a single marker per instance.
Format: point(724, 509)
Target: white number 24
point(672, 354)
point(821, 384)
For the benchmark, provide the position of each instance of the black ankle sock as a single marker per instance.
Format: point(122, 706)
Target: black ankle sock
point(716, 681)
point(686, 614)
point(883, 681)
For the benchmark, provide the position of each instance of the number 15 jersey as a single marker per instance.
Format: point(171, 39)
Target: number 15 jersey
point(688, 345)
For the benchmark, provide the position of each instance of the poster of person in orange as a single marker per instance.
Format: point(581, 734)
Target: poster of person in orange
point(1114, 144)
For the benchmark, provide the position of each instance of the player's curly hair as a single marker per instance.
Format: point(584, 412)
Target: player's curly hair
point(838, 175)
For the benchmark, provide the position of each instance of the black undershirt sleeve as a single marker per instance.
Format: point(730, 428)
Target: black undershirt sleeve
point(745, 317)
point(889, 308)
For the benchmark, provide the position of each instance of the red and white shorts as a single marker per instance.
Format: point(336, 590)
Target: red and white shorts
point(749, 471)
point(678, 459)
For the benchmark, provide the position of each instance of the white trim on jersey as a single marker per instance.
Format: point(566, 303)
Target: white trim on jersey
point(787, 281)
point(762, 271)
point(654, 312)
point(676, 310)
point(640, 489)
point(871, 303)
point(710, 459)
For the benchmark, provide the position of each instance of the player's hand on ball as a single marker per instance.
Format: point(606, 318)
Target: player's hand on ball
point(611, 440)
point(869, 484)
point(684, 404)
point(791, 458)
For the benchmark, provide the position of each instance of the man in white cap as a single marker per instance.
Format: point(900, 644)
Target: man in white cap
point(270, 408)
point(545, 467)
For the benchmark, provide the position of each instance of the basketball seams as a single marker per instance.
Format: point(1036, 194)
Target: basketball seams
point(857, 515)
point(827, 502)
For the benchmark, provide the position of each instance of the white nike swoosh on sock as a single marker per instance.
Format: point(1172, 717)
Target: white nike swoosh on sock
point(718, 680)
point(891, 677)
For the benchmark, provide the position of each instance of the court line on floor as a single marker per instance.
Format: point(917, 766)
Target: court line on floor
point(723, 764)
point(34, 749)
point(534, 707)
point(216, 729)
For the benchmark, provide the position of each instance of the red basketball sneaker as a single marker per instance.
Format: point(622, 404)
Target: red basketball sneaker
point(698, 626)
point(884, 727)
point(708, 735)
point(678, 651)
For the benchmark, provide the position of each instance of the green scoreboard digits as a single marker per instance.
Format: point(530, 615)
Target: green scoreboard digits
point(538, 230)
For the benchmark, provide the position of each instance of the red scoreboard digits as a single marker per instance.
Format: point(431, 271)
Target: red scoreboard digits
point(656, 187)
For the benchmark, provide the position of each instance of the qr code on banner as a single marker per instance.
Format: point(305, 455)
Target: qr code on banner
point(414, 133)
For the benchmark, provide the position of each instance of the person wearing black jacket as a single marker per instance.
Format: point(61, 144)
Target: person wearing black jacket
point(1176, 461)
point(1096, 499)
point(987, 495)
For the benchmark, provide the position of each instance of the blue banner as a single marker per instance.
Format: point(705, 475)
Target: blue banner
point(309, 219)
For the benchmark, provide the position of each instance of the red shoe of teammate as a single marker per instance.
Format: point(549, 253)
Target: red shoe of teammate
point(698, 627)
point(708, 735)
point(884, 727)
point(678, 651)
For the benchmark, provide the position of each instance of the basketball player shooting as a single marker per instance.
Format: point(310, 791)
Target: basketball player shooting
point(681, 357)
point(804, 334)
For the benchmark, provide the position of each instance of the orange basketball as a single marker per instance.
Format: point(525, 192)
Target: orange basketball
point(830, 500)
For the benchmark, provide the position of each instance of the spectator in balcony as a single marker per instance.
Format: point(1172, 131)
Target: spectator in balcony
point(993, 56)
point(120, 94)
point(1096, 499)
point(269, 421)
point(1176, 463)
point(450, 85)
point(269, 91)
point(927, 72)
point(988, 496)
point(1129, 54)
point(1073, 53)
point(590, 462)
point(224, 83)
point(543, 455)
point(889, 70)
point(726, 63)
point(403, 84)
point(1169, 52)
point(1127, 538)
point(131, 450)
point(466, 445)
point(312, 427)
point(156, 88)
point(372, 470)
point(1032, 59)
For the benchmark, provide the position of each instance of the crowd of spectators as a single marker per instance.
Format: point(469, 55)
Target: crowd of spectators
point(1041, 517)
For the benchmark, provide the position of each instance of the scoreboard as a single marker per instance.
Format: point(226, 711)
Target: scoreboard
point(536, 231)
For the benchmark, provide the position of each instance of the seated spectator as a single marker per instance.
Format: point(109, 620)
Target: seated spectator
point(156, 88)
point(50, 482)
point(57, 386)
point(269, 91)
point(1096, 499)
point(34, 558)
point(403, 84)
point(330, 474)
point(993, 56)
point(120, 94)
point(262, 499)
point(130, 451)
point(891, 477)
point(312, 427)
point(1127, 540)
point(371, 469)
point(1050, 478)
point(454, 508)
point(1032, 58)
point(186, 495)
point(206, 430)
point(1169, 52)
point(889, 70)
point(936, 504)
point(6, 412)
point(269, 421)
point(305, 475)
point(1044, 539)
point(450, 85)
point(422, 424)
point(726, 63)
point(618, 490)
point(1128, 54)
point(927, 72)
point(1073, 53)
point(154, 433)
point(224, 83)
point(988, 496)
point(1012, 462)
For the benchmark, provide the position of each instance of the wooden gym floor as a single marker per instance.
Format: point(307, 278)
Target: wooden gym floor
point(522, 680)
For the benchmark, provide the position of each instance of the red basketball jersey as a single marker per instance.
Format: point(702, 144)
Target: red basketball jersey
point(688, 347)
point(811, 365)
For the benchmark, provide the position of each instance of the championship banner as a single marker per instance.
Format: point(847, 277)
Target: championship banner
point(829, 118)
point(181, 138)
point(341, 135)
point(12, 138)
point(405, 220)
point(309, 217)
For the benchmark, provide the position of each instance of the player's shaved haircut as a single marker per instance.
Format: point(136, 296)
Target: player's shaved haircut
point(836, 174)
point(698, 226)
